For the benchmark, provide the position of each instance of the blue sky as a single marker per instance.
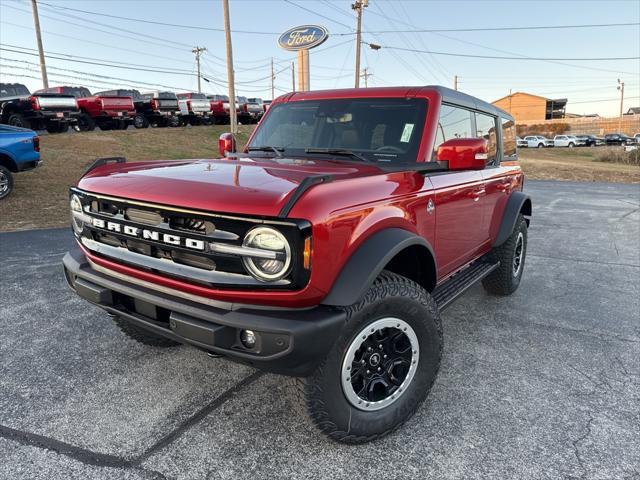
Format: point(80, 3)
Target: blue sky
point(590, 89)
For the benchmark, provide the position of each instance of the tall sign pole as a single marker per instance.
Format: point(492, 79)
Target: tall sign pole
point(293, 76)
point(273, 78)
point(302, 39)
point(358, 6)
point(36, 23)
point(233, 115)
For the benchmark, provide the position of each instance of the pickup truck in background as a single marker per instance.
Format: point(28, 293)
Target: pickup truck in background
point(19, 152)
point(108, 112)
point(195, 108)
point(618, 139)
point(590, 140)
point(248, 112)
point(53, 112)
point(538, 141)
point(568, 141)
point(159, 109)
point(256, 105)
point(219, 108)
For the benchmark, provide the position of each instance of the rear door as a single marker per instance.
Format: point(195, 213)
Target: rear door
point(500, 175)
point(458, 195)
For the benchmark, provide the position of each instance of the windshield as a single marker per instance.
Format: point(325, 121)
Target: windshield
point(379, 129)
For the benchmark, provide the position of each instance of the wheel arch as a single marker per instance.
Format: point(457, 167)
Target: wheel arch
point(393, 249)
point(518, 203)
point(7, 161)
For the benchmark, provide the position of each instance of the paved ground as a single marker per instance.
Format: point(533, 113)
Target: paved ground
point(543, 384)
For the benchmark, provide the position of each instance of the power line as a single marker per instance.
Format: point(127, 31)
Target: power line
point(495, 57)
point(188, 73)
point(504, 29)
point(321, 15)
point(84, 40)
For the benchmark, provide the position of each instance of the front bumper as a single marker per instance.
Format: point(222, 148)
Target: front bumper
point(289, 342)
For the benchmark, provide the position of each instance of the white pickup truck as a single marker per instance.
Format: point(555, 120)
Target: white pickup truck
point(195, 108)
point(538, 141)
point(569, 141)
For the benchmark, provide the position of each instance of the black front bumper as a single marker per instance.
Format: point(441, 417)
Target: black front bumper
point(289, 342)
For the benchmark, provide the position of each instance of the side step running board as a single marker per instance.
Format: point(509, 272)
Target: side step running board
point(455, 286)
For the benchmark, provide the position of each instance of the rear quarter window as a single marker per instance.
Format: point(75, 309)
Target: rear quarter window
point(509, 151)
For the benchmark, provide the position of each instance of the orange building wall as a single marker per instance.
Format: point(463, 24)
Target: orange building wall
point(523, 107)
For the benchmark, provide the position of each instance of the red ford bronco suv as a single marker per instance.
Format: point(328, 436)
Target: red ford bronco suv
point(325, 251)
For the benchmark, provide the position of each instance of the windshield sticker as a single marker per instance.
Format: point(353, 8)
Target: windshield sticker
point(406, 133)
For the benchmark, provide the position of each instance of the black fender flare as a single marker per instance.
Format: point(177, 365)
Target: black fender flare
point(518, 202)
point(366, 263)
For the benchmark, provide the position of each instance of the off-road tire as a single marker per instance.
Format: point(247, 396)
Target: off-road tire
point(18, 120)
point(321, 397)
point(140, 121)
point(141, 335)
point(503, 280)
point(5, 176)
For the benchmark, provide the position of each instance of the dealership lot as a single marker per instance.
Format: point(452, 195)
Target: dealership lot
point(542, 384)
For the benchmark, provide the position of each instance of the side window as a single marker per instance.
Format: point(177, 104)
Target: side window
point(486, 128)
point(454, 122)
point(508, 140)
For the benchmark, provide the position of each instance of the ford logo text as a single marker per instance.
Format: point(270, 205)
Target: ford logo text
point(303, 37)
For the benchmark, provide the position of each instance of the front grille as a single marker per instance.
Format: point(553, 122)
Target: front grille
point(198, 247)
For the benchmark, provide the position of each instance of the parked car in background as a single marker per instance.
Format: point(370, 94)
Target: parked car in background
point(566, 141)
point(590, 140)
point(195, 108)
point(219, 108)
point(618, 139)
point(266, 104)
point(245, 116)
point(159, 109)
point(19, 151)
point(538, 141)
point(256, 105)
point(51, 111)
point(637, 137)
point(108, 112)
point(521, 143)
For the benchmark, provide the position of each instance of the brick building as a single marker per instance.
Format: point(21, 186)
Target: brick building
point(526, 107)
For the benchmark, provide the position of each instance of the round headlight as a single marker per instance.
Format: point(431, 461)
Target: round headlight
point(76, 214)
point(270, 240)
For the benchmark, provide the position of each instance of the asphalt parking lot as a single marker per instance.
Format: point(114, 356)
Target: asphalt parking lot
point(542, 384)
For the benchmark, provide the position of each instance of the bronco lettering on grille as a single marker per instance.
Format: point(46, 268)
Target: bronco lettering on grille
point(146, 234)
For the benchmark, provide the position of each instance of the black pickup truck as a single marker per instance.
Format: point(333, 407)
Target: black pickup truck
point(159, 109)
point(51, 111)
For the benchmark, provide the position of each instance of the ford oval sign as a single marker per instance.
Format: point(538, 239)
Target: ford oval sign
point(303, 37)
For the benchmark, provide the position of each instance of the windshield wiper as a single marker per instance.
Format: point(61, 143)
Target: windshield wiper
point(339, 152)
point(267, 148)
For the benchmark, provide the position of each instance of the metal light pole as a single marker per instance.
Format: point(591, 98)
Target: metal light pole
point(273, 77)
point(358, 6)
point(233, 117)
point(293, 77)
point(36, 22)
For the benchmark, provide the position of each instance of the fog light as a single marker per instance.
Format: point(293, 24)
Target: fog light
point(248, 338)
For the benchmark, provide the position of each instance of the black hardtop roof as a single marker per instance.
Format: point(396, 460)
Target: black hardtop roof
point(464, 100)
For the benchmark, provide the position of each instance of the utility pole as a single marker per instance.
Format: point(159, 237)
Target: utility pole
point(366, 75)
point(36, 22)
point(358, 6)
point(273, 77)
point(233, 116)
point(198, 51)
point(293, 76)
point(455, 82)
point(621, 88)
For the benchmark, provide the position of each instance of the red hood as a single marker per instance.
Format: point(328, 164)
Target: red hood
point(246, 186)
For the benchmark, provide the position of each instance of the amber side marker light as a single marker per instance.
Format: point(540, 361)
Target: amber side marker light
point(306, 254)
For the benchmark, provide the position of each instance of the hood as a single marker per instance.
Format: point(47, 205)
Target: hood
point(247, 186)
